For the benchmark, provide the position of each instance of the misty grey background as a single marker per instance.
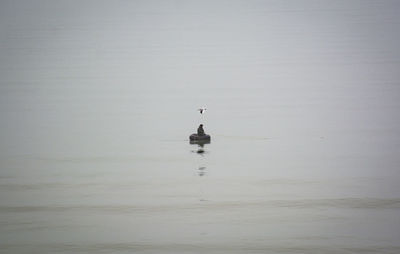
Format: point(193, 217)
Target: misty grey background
point(98, 98)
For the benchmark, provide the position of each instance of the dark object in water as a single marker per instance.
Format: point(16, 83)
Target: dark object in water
point(200, 142)
point(200, 131)
point(197, 137)
point(200, 136)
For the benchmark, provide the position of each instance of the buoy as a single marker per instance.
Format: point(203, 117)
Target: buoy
point(196, 137)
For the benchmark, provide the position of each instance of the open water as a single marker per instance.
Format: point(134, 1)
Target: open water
point(98, 99)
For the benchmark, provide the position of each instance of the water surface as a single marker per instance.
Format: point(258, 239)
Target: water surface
point(98, 99)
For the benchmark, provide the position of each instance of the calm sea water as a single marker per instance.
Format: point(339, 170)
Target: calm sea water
point(98, 99)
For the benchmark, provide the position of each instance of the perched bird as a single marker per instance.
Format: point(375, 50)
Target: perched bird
point(202, 109)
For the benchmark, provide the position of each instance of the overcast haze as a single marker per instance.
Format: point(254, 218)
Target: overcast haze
point(98, 98)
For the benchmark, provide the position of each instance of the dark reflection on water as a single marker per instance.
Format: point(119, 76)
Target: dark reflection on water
point(201, 170)
point(200, 146)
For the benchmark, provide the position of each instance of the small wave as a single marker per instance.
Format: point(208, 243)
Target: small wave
point(195, 247)
point(344, 203)
point(244, 137)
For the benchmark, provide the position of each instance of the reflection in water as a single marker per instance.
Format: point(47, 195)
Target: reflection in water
point(201, 143)
point(201, 151)
point(202, 171)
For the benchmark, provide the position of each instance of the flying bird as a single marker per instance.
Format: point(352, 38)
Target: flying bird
point(202, 109)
